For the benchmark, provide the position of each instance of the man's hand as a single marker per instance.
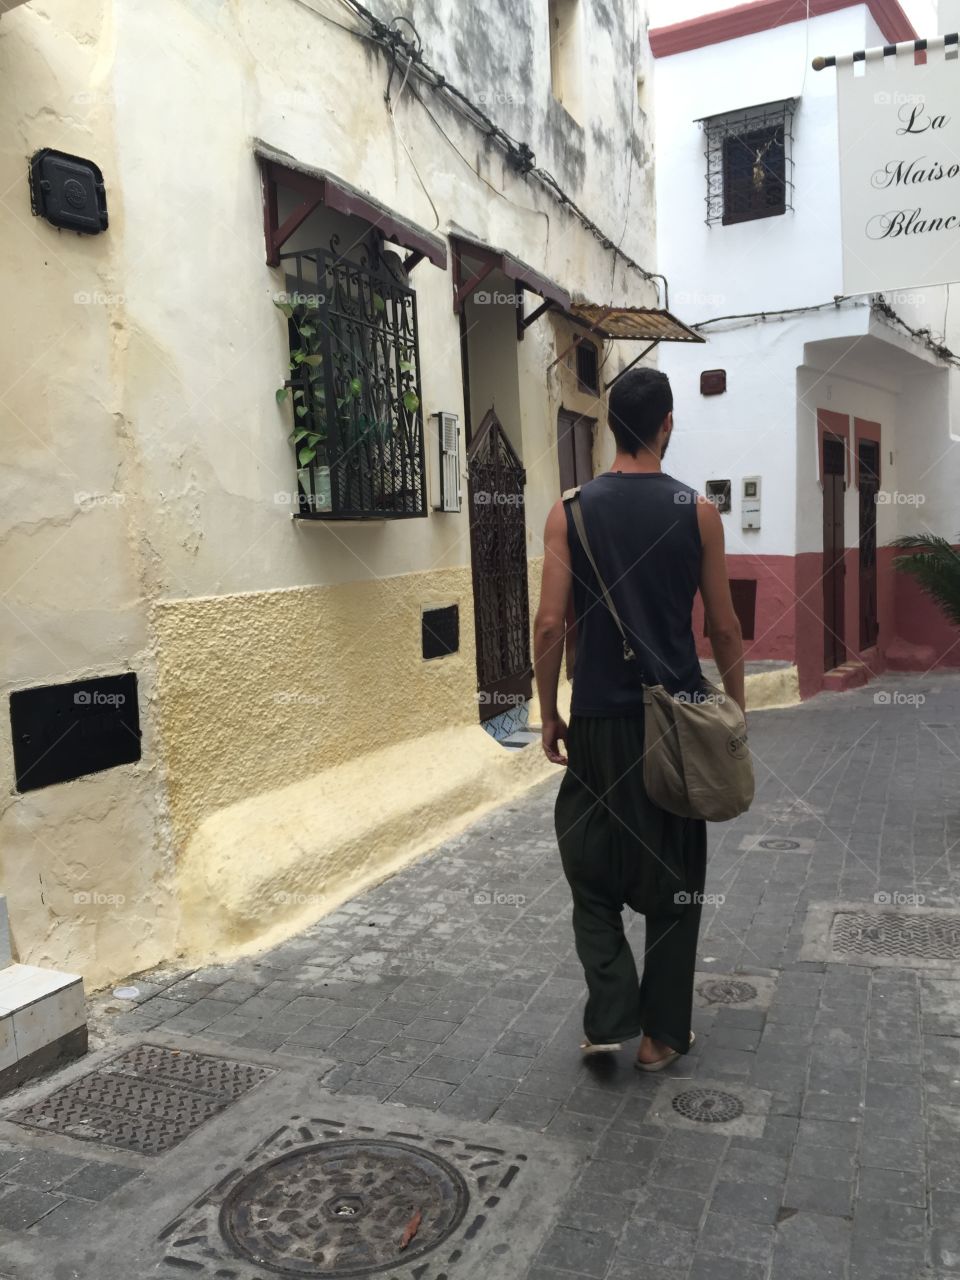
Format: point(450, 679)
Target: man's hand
point(553, 733)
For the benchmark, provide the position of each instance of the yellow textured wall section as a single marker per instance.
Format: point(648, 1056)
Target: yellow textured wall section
point(258, 691)
point(291, 786)
point(265, 868)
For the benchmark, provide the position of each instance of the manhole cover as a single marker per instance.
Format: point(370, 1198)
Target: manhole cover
point(709, 1106)
point(146, 1100)
point(344, 1208)
point(727, 991)
point(896, 935)
point(777, 844)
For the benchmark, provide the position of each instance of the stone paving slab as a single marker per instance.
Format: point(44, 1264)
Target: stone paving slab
point(162, 1218)
point(453, 990)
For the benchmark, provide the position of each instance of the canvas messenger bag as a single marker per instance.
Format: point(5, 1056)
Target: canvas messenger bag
point(696, 761)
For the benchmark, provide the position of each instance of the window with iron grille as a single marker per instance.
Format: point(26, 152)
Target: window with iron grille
point(587, 366)
point(355, 384)
point(749, 162)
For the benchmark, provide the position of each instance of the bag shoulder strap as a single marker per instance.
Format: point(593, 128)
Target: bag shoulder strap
point(572, 496)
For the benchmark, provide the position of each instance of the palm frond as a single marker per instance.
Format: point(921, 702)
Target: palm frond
point(935, 566)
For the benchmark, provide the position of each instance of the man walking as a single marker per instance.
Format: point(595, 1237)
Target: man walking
point(656, 544)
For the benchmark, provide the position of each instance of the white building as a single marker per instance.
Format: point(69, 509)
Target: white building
point(834, 429)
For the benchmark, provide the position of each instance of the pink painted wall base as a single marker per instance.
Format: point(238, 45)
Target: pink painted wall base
point(788, 621)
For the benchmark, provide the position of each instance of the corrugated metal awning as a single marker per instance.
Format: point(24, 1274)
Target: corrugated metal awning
point(638, 324)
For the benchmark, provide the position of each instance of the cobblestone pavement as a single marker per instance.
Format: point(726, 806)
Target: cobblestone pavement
point(453, 987)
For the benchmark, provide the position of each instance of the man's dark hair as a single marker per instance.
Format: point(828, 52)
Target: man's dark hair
point(639, 402)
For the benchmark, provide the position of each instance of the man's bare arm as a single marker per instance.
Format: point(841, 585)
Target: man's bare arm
point(570, 646)
point(549, 627)
point(723, 625)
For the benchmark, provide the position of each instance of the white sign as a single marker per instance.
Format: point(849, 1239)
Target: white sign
point(899, 125)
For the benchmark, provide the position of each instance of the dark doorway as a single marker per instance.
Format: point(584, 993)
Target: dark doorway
point(834, 648)
point(574, 448)
point(868, 466)
point(498, 551)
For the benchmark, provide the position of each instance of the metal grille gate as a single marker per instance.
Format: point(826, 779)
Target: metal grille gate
point(498, 548)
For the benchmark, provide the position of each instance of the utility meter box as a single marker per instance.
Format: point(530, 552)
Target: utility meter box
point(750, 503)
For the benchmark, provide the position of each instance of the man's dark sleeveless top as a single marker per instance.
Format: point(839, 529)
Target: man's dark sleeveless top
point(645, 538)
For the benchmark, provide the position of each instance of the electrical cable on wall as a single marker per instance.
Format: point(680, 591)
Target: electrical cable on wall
point(923, 336)
point(524, 208)
point(396, 128)
point(630, 155)
point(519, 154)
point(877, 303)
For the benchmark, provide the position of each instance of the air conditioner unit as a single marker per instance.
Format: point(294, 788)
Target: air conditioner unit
point(448, 436)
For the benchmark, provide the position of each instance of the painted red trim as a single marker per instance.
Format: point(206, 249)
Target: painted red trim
point(764, 15)
point(892, 21)
point(865, 430)
point(830, 423)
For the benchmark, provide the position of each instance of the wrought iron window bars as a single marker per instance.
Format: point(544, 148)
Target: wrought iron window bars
point(749, 156)
point(355, 382)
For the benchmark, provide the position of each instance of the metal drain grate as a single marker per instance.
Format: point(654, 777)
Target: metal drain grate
point(146, 1100)
point(341, 1209)
point(896, 935)
point(310, 1202)
point(727, 991)
point(708, 1106)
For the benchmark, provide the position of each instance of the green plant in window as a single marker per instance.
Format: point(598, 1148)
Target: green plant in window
point(307, 384)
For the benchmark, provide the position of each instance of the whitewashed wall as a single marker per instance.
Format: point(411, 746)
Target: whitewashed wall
point(765, 423)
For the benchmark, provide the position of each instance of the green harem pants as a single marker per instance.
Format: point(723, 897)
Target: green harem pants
point(618, 848)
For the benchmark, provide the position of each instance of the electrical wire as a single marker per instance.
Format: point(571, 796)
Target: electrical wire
point(946, 308)
point(396, 128)
point(877, 303)
point(758, 317)
point(924, 336)
point(524, 208)
point(317, 13)
point(519, 154)
point(806, 52)
point(630, 159)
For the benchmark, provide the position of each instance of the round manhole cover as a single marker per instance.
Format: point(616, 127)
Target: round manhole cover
point(727, 991)
point(709, 1106)
point(344, 1208)
point(778, 844)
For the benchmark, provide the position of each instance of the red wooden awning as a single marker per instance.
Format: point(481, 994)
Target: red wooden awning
point(467, 279)
point(318, 188)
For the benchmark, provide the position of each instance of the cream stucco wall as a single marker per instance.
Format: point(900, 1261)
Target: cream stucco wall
point(270, 652)
point(86, 865)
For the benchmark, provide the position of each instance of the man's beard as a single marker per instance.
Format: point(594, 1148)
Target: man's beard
point(666, 445)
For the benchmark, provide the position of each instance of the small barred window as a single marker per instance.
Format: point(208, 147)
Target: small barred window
point(749, 163)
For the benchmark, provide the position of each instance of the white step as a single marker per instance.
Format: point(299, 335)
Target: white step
point(42, 1020)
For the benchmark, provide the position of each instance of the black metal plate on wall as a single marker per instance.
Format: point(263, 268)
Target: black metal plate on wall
point(68, 191)
point(63, 731)
point(440, 631)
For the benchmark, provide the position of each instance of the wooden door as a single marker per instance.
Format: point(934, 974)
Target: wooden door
point(574, 448)
point(834, 649)
point(868, 460)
